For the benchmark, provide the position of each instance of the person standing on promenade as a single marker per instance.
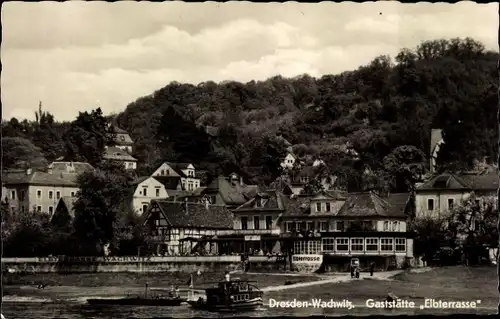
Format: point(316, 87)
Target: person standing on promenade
point(372, 268)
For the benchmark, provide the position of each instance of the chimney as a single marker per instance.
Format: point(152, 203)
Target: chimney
point(29, 171)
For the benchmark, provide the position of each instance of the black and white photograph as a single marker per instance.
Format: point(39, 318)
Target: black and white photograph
point(239, 159)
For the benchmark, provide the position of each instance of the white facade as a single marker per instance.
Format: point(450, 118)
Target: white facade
point(438, 203)
point(146, 191)
point(289, 161)
point(189, 181)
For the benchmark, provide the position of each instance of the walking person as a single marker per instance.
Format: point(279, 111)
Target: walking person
point(372, 268)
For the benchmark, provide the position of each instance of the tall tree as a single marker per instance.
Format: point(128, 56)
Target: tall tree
point(18, 152)
point(104, 194)
point(87, 137)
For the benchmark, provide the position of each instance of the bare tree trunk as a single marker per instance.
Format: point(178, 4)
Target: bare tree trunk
point(498, 155)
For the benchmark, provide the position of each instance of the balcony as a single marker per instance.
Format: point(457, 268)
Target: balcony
point(249, 232)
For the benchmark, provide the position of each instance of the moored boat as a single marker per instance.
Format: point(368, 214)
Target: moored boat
point(138, 301)
point(233, 295)
point(173, 299)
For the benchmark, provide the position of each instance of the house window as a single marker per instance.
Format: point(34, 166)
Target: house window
point(310, 247)
point(357, 244)
point(342, 244)
point(323, 226)
point(328, 244)
point(340, 226)
point(386, 226)
point(13, 194)
point(51, 210)
point(144, 208)
point(371, 244)
point(450, 203)
point(400, 244)
point(244, 222)
point(269, 222)
point(386, 244)
point(38, 194)
point(145, 191)
point(258, 202)
point(168, 172)
point(430, 204)
point(289, 226)
point(328, 207)
point(51, 194)
point(256, 222)
point(190, 186)
point(72, 194)
point(163, 172)
point(39, 208)
point(310, 226)
point(212, 199)
point(318, 207)
point(58, 194)
point(157, 192)
point(395, 226)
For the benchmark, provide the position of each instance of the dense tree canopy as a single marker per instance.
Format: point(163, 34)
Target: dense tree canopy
point(384, 105)
point(375, 110)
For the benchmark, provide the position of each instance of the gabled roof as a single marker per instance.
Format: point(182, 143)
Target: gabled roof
point(139, 180)
point(117, 154)
point(236, 194)
point(68, 202)
point(70, 167)
point(272, 200)
point(482, 182)
point(39, 178)
point(170, 182)
point(465, 182)
point(369, 204)
point(178, 167)
point(182, 214)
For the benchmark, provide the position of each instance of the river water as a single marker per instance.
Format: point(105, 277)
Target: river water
point(62, 298)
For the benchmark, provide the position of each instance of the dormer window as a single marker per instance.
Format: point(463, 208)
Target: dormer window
point(163, 172)
point(258, 202)
point(122, 138)
point(328, 207)
point(318, 207)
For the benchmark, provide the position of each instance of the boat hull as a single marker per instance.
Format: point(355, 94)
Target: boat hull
point(250, 304)
point(138, 301)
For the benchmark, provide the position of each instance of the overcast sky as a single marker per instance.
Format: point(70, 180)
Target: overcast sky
point(74, 56)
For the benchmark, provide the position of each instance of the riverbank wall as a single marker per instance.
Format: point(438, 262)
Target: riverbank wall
point(120, 264)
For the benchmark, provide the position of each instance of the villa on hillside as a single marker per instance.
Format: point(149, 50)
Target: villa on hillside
point(30, 190)
point(443, 192)
point(185, 171)
point(229, 191)
point(121, 149)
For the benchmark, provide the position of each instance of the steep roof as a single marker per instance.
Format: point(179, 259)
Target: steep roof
point(170, 182)
point(178, 167)
point(271, 200)
point(70, 167)
point(68, 202)
point(140, 180)
point(182, 214)
point(369, 204)
point(236, 194)
point(484, 182)
point(39, 178)
point(465, 182)
point(117, 154)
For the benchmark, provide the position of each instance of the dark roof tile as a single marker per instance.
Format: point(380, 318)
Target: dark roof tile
point(185, 214)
